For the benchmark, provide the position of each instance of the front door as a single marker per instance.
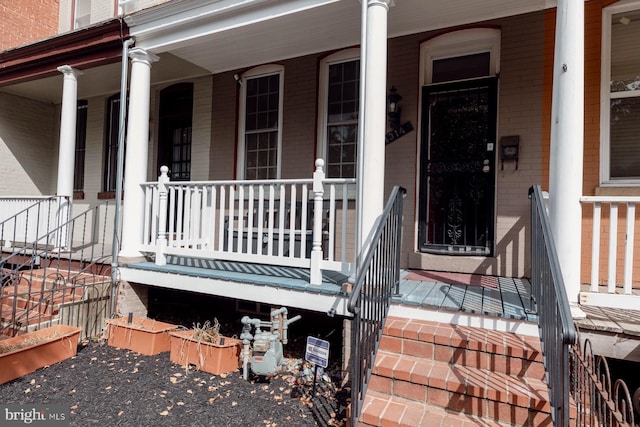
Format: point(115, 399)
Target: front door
point(457, 177)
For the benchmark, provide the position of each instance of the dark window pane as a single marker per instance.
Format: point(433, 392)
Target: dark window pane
point(461, 67)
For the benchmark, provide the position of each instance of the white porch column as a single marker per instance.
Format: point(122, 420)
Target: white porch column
point(375, 116)
point(567, 141)
point(137, 151)
point(67, 147)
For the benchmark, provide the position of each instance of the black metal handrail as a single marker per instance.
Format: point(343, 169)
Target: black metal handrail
point(61, 268)
point(377, 280)
point(557, 331)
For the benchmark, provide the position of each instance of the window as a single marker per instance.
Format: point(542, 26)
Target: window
point(82, 13)
point(261, 123)
point(175, 130)
point(111, 144)
point(460, 55)
point(620, 94)
point(81, 144)
point(339, 104)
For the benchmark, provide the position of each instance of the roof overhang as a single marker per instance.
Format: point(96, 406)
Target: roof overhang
point(86, 48)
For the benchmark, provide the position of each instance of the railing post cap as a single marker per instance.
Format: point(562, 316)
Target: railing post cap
point(164, 170)
point(319, 163)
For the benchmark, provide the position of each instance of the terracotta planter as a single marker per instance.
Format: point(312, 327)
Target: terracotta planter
point(209, 357)
point(26, 353)
point(144, 336)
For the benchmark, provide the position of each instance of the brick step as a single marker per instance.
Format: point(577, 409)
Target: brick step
point(34, 314)
point(50, 300)
point(472, 391)
point(50, 276)
point(472, 347)
point(380, 409)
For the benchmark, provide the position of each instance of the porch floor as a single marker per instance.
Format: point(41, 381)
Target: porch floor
point(500, 297)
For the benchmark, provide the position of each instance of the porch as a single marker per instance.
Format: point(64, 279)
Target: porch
point(427, 294)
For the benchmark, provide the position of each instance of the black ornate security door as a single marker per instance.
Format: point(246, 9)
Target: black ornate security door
point(457, 184)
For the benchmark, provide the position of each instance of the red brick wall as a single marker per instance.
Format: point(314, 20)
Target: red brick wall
point(25, 21)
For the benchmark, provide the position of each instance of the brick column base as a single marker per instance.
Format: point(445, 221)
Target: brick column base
point(132, 298)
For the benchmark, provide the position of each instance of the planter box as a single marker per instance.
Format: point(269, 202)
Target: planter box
point(26, 353)
point(144, 336)
point(209, 357)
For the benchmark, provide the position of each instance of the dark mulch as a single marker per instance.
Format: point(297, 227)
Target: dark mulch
point(114, 387)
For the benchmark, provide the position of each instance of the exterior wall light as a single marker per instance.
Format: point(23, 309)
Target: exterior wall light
point(393, 108)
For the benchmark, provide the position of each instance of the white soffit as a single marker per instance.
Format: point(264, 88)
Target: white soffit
point(227, 35)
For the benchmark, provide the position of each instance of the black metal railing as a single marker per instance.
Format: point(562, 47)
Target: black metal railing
point(56, 270)
point(557, 332)
point(599, 401)
point(377, 280)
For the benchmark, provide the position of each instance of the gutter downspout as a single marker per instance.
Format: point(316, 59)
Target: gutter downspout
point(115, 247)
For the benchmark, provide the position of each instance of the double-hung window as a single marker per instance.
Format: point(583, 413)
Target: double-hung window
point(620, 94)
point(261, 123)
point(338, 112)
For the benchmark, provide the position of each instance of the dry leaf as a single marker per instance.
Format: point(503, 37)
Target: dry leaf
point(28, 390)
point(164, 413)
point(120, 413)
point(173, 380)
point(234, 403)
point(189, 391)
point(180, 403)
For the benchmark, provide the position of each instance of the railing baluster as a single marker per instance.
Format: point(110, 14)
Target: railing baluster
point(250, 223)
point(292, 223)
point(628, 247)
point(215, 214)
point(595, 248)
point(303, 219)
point(332, 222)
point(231, 223)
point(221, 220)
point(613, 247)
point(281, 224)
point(270, 219)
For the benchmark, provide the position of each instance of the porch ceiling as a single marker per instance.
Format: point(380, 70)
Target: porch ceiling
point(249, 36)
point(203, 36)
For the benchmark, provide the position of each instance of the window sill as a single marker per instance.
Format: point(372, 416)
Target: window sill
point(108, 195)
point(617, 191)
point(78, 195)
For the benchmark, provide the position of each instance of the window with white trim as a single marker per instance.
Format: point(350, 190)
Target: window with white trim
point(82, 13)
point(620, 95)
point(260, 127)
point(339, 103)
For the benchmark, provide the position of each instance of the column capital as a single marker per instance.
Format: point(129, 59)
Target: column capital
point(68, 70)
point(385, 3)
point(138, 54)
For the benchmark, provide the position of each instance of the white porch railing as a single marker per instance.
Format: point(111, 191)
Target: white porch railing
point(620, 233)
point(296, 222)
point(25, 219)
